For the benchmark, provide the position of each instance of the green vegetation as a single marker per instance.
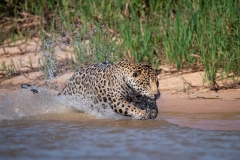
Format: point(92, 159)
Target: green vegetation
point(10, 69)
point(185, 33)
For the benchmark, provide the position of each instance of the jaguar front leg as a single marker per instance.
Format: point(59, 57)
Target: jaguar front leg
point(127, 109)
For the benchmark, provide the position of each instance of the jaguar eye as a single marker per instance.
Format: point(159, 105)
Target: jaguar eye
point(135, 74)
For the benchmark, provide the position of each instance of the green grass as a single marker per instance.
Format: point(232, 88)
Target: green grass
point(185, 33)
point(10, 70)
point(96, 47)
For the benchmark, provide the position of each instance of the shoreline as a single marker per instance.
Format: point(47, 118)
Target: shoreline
point(210, 102)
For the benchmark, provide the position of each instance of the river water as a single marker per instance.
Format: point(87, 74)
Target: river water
point(43, 127)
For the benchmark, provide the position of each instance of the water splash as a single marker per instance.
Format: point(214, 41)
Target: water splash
point(17, 104)
point(87, 106)
point(83, 45)
point(21, 103)
point(87, 46)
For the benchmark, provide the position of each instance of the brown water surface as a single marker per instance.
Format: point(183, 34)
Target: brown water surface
point(43, 127)
point(80, 136)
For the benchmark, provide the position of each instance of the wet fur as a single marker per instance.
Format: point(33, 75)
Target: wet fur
point(130, 89)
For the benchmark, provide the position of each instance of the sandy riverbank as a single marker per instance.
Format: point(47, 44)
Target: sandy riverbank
point(184, 101)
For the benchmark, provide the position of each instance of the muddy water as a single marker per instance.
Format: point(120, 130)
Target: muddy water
point(206, 121)
point(69, 134)
point(89, 138)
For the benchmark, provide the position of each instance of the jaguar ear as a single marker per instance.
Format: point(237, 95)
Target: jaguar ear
point(158, 71)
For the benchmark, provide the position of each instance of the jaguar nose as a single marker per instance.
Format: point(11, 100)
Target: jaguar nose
point(156, 96)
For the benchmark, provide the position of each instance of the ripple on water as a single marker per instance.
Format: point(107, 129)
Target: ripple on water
point(108, 138)
point(46, 127)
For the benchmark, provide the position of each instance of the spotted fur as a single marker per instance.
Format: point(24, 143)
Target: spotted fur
point(130, 89)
